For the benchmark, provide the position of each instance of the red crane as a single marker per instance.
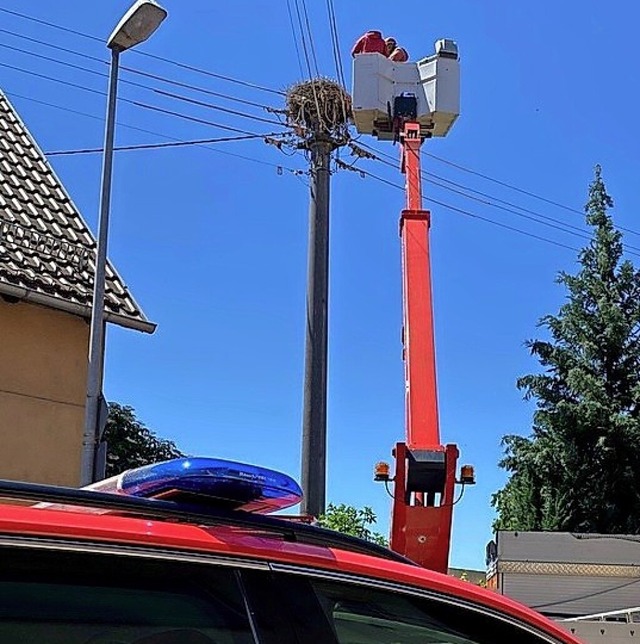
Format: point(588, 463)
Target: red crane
point(425, 469)
point(406, 103)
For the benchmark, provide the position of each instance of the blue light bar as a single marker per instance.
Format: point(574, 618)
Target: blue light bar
point(208, 481)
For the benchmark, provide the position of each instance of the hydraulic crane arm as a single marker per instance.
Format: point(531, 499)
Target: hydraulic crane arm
point(407, 103)
point(425, 472)
point(418, 333)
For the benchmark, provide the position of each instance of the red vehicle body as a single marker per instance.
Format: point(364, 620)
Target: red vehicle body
point(79, 551)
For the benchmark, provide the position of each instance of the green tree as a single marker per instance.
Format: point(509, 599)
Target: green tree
point(463, 575)
point(354, 521)
point(580, 468)
point(130, 444)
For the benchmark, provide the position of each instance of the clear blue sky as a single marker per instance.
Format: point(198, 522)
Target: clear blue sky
point(214, 246)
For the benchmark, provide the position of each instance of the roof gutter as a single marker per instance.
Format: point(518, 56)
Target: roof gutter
point(81, 310)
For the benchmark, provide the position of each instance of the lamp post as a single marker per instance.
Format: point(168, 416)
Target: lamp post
point(137, 24)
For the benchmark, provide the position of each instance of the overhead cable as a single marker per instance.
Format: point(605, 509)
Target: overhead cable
point(170, 61)
point(468, 213)
point(295, 37)
point(489, 200)
point(310, 33)
point(157, 146)
point(279, 167)
point(149, 87)
point(226, 110)
point(130, 101)
point(335, 42)
point(125, 68)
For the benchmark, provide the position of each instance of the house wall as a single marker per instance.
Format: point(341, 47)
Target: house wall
point(563, 574)
point(603, 632)
point(43, 369)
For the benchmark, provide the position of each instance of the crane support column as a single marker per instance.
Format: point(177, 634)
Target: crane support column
point(425, 475)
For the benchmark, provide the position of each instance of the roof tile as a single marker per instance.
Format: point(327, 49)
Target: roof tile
point(46, 246)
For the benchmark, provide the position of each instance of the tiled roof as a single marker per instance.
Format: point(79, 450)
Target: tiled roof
point(46, 249)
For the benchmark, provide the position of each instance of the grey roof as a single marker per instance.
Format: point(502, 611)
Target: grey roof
point(46, 248)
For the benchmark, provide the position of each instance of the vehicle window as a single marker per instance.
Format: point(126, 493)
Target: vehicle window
point(363, 615)
point(62, 599)
point(285, 609)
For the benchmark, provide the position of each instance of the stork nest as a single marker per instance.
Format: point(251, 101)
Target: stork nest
point(319, 106)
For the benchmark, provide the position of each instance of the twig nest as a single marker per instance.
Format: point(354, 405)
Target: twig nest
point(319, 106)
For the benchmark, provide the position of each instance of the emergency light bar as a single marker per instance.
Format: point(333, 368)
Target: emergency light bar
point(209, 482)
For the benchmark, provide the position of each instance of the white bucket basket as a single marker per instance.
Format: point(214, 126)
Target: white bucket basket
point(434, 81)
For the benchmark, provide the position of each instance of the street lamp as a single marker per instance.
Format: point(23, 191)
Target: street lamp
point(137, 24)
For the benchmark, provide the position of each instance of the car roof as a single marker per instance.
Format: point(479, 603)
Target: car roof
point(275, 540)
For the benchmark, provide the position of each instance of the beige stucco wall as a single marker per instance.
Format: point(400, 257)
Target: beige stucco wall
point(43, 367)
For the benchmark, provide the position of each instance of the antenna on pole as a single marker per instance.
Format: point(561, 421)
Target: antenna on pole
point(319, 110)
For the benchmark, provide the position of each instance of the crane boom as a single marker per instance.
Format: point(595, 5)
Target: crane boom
point(418, 333)
point(406, 103)
point(425, 473)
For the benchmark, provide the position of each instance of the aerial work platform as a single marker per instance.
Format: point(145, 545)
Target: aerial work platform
point(408, 102)
point(434, 81)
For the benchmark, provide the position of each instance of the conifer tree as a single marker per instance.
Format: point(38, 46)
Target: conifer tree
point(579, 470)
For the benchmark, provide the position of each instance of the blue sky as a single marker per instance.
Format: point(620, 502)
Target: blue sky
point(214, 246)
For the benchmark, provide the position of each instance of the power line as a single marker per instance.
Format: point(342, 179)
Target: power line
point(311, 45)
point(140, 104)
point(539, 218)
point(196, 88)
point(486, 219)
point(335, 41)
point(498, 200)
point(557, 226)
point(186, 117)
point(206, 72)
point(279, 167)
point(157, 146)
point(502, 225)
point(131, 70)
point(176, 63)
point(520, 190)
point(243, 83)
point(149, 87)
point(295, 37)
point(307, 59)
point(52, 46)
point(78, 112)
point(64, 63)
point(553, 223)
point(52, 79)
point(467, 213)
point(85, 114)
point(303, 39)
point(337, 56)
point(218, 108)
point(508, 207)
point(50, 24)
point(230, 79)
point(504, 184)
point(469, 189)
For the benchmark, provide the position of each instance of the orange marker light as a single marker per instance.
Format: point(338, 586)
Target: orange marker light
point(381, 472)
point(467, 475)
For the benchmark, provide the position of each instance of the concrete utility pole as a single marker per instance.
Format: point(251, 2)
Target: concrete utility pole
point(319, 110)
point(314, 420)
